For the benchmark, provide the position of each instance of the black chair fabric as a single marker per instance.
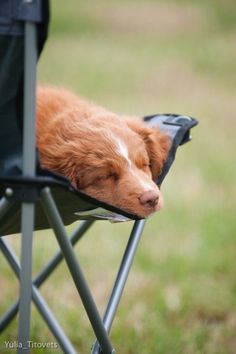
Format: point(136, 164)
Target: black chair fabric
point(12, 16)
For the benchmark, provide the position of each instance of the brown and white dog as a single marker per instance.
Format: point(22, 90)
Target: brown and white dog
point(109, 157)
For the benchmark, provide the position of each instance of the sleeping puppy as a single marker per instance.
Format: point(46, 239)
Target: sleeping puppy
point(112, 158)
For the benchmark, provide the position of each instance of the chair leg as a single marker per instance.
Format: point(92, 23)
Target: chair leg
point(56, 260)
point(29, 163)
point(76, 272)
point(41, 305)
point(25, 277)
point(121, 278)
point(45, 272)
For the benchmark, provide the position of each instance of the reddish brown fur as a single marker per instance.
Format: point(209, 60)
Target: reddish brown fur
point(87, 144)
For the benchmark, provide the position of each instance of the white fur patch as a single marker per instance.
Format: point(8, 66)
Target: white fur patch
point(146, 185)
point(123, 151)
point(120, 146)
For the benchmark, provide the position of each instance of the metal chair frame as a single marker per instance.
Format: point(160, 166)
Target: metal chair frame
point(101, 328)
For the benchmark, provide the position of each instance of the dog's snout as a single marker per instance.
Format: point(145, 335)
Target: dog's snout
point(149, 198)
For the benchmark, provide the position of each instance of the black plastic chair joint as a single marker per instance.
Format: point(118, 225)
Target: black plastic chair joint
point(23, 189)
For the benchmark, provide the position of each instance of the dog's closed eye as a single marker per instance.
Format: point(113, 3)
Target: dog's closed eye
point(108, 175)
point(114, 176)
point(103, 177)
point(96, 177)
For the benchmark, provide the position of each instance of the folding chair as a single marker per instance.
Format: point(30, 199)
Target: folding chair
point(35, 199)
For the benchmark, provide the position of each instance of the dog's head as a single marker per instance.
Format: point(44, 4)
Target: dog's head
point(113, 160)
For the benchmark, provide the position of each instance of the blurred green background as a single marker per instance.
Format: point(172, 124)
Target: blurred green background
point(143, 57)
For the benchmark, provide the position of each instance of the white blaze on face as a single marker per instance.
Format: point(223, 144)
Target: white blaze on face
point(147, 185)
point(144, 181)
point(122, 150)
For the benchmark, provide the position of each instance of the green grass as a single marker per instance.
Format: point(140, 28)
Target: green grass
point(140, 58)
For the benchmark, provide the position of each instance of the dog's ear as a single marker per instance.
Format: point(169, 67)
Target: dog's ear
point(157, 145)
